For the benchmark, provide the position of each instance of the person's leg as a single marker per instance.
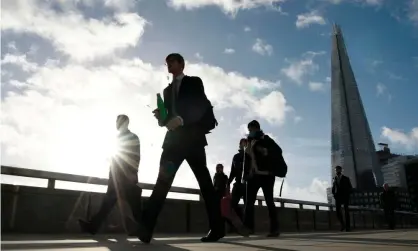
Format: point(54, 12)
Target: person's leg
point(393, 219)
point(170, 162)
point(339, 213)
point(134, 199)
point(267, 185)
point(197, 161)
point(389, 215)
point(235, 198)
point(347, 216)
point(109, 200)
point(253, 185)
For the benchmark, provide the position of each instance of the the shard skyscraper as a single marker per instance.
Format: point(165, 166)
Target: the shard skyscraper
point(352, 145)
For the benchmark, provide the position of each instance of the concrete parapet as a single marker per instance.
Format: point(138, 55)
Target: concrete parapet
point(44, 210)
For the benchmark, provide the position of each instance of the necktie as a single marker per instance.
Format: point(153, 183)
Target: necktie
point(174, 96)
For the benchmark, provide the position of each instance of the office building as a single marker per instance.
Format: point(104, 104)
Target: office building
point(352, 145)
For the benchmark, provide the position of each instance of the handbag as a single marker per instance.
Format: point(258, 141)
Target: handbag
point(226, 205)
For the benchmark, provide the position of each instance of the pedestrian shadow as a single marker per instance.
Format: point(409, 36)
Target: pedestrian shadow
point(257, 247)
point(369, 241)
point(112, 244)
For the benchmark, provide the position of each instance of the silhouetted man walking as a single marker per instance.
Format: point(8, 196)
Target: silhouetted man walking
point(237, 173)
point(259, 146)
point(190, 117)
point(341, 189)
point(388, 203)
point(123, 179)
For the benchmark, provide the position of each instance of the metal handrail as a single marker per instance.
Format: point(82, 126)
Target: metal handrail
point(53, 176)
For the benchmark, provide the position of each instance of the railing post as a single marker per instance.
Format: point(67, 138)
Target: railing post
point(188, 217)
point(51, 183)
point(88, 209)
point(14, 207)
point(330, 219)
point(317, 207)
point(281, 204)
point(259, 202)
point(300, 206)
point(373, 219)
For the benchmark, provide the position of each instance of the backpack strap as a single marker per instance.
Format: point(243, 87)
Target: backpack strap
point(281, 188)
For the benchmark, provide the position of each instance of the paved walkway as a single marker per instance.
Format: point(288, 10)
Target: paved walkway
point(356, 240)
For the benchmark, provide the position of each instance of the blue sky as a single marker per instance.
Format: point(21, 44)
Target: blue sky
point(69, 68)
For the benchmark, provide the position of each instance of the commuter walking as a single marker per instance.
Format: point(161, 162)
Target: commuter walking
point(341, 189)
point(123, 179)
point(220, 181)
point(239, 160)
point(388, 203)
point(189, 117)
point(261, 175)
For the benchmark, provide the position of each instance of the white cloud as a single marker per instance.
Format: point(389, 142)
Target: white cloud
point(19, 60)
point(306, 19)
point(198, 56)
point(366, 2)
point(72, 34)
point(376, 63)
point(229, 51)
point(413, 11)
point(247, 29)
point(316, 86)
point(380, 89)
point(262, 48)
point(230, 7)
point(316, 191)
point(297, 70)
point(395, 76)
point(396, 136)
point(297, 119)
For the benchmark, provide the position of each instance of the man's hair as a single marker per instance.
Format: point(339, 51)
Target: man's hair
point(255, 124)
point(219, 165)
point(338, 167)
point(122, 119)
point(176, 57)
point(242, 140)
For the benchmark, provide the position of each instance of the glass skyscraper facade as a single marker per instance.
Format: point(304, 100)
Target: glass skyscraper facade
point(352, 145)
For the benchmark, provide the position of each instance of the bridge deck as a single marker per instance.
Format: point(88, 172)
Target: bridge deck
point(357, 240)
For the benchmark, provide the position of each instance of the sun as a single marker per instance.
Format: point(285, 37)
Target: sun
point(85, 149)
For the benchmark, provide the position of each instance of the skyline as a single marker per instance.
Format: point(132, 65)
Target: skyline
point(70, 67)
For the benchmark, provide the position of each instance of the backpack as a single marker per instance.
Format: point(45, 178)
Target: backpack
point(208, 121)
point(275, 161)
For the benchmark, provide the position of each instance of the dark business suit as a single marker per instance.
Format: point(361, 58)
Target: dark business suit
point(123, 179)
point(388, 202)
point(341, 189)
point(188, 143)
point(237, 173)
point(265, 182)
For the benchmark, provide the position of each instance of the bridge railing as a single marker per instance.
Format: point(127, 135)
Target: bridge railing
point(52, 177)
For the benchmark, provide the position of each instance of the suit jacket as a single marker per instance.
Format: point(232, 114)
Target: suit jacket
point(220, 180)
point(190, 104)
point(128, 157)
point(238, 166)
point(342, 189)
point(388, 200)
